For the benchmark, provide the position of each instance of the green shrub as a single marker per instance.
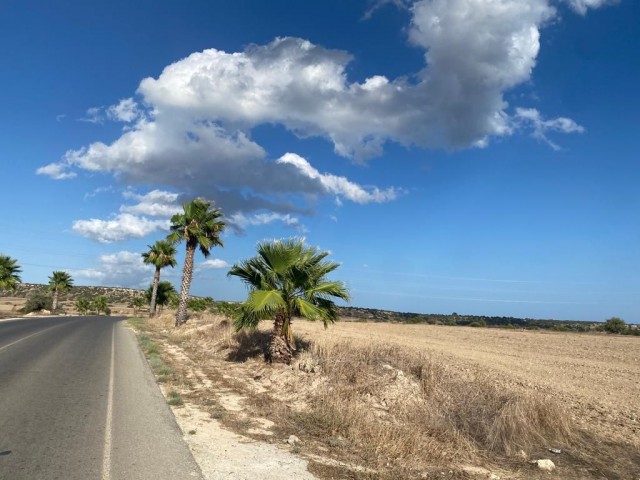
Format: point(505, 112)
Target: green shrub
point(615, 325)
point(478, 324)
point(38, 300)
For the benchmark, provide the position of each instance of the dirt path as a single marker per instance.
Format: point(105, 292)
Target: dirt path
point(596, 375)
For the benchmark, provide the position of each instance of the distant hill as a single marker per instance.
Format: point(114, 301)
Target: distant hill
point(123, 296)
point(114, 294)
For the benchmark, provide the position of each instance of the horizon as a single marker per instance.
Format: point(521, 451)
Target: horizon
point(454, 156)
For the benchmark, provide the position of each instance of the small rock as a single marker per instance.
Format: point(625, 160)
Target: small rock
point(545, 465)
point(557, 451)
point(293, 440)
point(493, 476)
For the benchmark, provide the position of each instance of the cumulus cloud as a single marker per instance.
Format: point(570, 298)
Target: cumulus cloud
point(124, 111)
point(213, 263)
point(121, 269)
point(532, 118)
point(339, 185)
point(119, 227)
point(156, 203)
point(191, 129)
point(581, 6)
point(56, 171)
point(239, 221)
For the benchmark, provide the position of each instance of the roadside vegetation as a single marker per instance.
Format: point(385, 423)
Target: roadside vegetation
point(376, 409)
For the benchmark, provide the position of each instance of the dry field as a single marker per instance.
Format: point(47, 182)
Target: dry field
point(390, 401)
point(597, 376)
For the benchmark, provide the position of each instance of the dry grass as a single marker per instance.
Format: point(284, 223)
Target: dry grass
point(401, 409)
point(388, 410)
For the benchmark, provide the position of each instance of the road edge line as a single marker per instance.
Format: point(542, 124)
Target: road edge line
point(106, 454)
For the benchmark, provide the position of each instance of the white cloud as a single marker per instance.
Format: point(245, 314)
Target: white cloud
point(214, 263)
point(156, 203)
point(240, 222)
point(119, 227)
point(93, 115)
point(191, 130)
point(539, 126)
point(124, 111)
point(339, 185)
point(121, 269)
point(56, 171)
point(581, 6)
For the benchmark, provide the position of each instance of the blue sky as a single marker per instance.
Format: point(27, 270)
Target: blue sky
point(469, 156)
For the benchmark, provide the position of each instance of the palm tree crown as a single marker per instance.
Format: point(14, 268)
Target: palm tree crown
point(59, 282)
point(161, 254)
point(287, 279)
point(9, 273)
point(200, 227)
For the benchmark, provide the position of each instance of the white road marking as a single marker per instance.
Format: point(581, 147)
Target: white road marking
point(29, 336)
point(106, 455)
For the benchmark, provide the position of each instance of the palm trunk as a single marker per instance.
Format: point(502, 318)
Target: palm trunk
point(154, 293)
point(54, 306)
point(187, 274)
point(279, 348)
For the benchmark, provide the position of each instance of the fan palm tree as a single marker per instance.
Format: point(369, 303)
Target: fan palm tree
point(9, 270)
point(164, 291)
point(161, 254)
point(200, 227)
point(287, 279)
point(59, 282)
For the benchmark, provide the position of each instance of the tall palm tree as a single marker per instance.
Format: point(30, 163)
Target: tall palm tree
point(9, 273)
point(287, 279)
point(59, 282)
point(161, 254)
point(200, 227)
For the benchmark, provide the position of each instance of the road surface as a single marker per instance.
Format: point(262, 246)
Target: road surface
point(78, 401)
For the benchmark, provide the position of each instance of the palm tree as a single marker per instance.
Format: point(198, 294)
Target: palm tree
point(137, 303)
point(59, 282)
point(287, 279)
point(9, 270)
point(161, 254)
point(164, 292)
point(200, 227)
point(101, 304)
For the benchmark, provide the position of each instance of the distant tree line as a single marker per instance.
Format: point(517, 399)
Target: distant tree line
point(613, 325)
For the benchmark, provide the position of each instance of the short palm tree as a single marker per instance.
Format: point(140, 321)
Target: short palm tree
point(59, 282)
point(287, 279)
point(161, 254)
point(9, 273)
point(164, 293)
point(200, 227)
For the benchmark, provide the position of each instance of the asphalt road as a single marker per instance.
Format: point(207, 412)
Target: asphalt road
point(78, 401)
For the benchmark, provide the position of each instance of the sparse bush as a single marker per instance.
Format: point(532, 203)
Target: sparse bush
point(37, 301)
point(615, 325)
point(478, 324)
point(174, 398)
